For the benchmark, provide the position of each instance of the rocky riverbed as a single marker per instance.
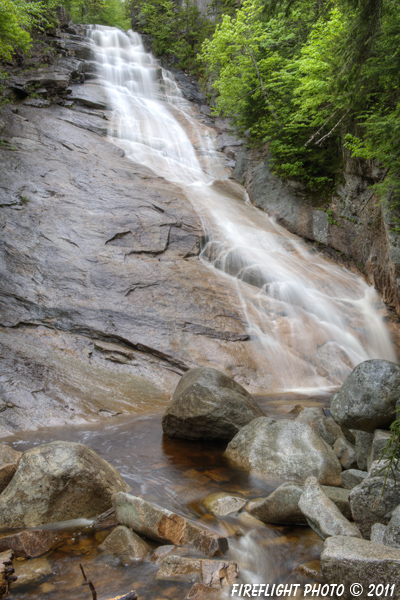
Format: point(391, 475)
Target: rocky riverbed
point(216, 517)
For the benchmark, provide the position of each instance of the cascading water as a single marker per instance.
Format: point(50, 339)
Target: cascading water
point(311, 321)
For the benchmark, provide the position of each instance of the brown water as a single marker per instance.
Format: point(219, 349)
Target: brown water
point(175, 474)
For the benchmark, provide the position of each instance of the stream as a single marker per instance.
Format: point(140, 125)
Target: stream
point(310, 321)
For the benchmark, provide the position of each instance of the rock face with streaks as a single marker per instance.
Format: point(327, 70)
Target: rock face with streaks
point(207, 404)
point(57, 482)
point(104, 302)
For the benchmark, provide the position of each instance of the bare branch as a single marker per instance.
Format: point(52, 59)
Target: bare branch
point(88, 583)
point(319, 142)
point(321, 128)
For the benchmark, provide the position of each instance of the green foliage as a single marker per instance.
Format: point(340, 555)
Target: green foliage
point(17, 17)
point(177, 30)
point(305, 76)
point(102, 12)
point(391, 452)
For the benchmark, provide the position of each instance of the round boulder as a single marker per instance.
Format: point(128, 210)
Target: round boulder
point(208, 404)
point(367, 399)
point(284, 450)
point(57, 482)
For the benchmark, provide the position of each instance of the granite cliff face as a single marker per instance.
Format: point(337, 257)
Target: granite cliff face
point(352, 222)
point(104, 302)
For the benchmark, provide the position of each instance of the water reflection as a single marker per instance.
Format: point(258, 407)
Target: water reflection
point(177, 475)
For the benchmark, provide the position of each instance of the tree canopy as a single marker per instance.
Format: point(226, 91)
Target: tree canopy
point(309, 76)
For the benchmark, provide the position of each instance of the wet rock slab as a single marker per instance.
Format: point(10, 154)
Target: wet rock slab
point(111, 258)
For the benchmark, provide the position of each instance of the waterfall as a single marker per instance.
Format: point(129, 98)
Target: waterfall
point(310, 321)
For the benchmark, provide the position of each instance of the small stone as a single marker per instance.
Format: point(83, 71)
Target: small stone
point(379, 443)
point(362, 447)
point(126, 544)
point(31, 571)
point(165, 526)
point(201, 592)
point(9, 455)
point(7, 472)
point(161, 552)
point(322, 514)
point(222, 504)
point(311, 570)
point(329, 430)
point(378, 533)
point(345, 452)
point(31, 543)
point(179, 568)
point(392, 533)
point(212, 573)
point(352, 477)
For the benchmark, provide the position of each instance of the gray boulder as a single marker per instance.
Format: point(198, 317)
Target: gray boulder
point(352, 477)
point(368, 397)
point(282, 505)
point(57, 482)
point(348, 560)
point(392, 534)
point(374, 499)
point(208, 404)
point(284, 450)
point(322, 514)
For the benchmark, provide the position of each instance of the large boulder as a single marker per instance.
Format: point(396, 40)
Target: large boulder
point(322, 514)
point(374, 499)
point(284, 450)
point(348, 560)
point(208, 404)
point(57, 482)
point(368, 397)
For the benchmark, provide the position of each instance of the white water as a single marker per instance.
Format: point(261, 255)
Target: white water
point(311, 322)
